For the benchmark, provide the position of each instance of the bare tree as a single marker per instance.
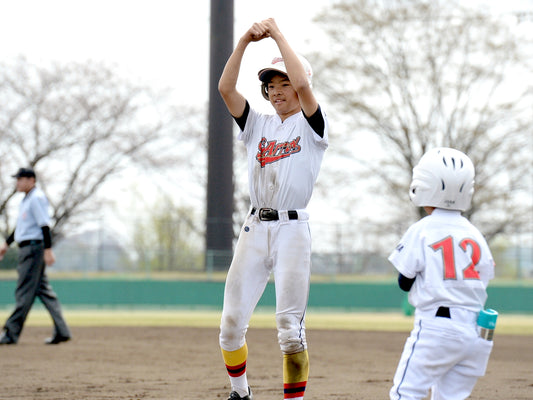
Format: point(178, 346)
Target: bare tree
point(80, 125)
point(418, 74)
point(169, 237)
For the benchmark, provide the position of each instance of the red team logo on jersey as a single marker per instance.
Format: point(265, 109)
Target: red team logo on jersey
point(270, 152)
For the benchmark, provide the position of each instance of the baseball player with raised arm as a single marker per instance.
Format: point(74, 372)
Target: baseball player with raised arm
point(285, 152)
point(445, 264)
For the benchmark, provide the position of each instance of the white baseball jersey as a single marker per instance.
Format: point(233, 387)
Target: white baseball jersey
point(284, 159)
point(452, 264)
point(450, 259)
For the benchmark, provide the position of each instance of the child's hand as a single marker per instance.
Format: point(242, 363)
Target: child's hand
point(271, 27)
point(258, 32)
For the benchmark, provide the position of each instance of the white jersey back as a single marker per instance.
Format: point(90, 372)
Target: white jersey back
point(450, 259)
point(284, 159)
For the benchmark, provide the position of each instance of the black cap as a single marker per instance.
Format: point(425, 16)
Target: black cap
point(24, 173)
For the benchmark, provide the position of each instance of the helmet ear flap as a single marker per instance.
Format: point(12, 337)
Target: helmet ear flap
point(264, 90)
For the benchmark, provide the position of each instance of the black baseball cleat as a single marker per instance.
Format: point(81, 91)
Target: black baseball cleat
point(235, 395)
point(5, 339)
point(57, 339)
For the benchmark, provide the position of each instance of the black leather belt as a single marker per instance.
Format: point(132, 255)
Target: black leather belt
point(269, 214)
point(443, 312)
point(28, 242)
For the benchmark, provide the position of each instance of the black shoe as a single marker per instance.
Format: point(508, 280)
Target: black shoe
point(57, 339)
point(5, 339)
point(235, 395)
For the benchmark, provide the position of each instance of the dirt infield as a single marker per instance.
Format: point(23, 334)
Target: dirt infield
point(185, 363)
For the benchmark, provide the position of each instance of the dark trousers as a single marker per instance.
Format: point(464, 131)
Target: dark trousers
point(32, 282)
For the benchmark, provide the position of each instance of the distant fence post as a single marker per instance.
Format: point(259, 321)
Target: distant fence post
point(217, 260)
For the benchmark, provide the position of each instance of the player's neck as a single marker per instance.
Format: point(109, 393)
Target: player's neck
point(284, 116)
point(429, 210)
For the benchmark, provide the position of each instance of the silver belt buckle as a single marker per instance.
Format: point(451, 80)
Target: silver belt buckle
point(267, 214)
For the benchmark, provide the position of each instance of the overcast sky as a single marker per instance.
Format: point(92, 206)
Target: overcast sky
point(164, 43)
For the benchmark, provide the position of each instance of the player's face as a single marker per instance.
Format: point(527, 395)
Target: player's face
point(25, 184)
point(283, 97)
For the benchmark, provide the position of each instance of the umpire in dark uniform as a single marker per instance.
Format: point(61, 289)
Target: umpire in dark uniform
point(32, 234)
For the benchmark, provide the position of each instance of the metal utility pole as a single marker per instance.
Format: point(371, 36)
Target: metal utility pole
point(219, 224)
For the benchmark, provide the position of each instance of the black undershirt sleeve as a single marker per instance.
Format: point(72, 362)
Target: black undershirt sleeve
point(47, 237)
point(316, 121)
point(241, 121)
point(11, 238)
point(405, 283)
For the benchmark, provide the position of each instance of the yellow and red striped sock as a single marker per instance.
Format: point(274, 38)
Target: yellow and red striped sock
point(295, 375)
point(236, 366)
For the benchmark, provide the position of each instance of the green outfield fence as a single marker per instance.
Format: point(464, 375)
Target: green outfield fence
point(345, 296)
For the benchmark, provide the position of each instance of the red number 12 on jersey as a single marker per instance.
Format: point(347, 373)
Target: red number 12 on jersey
point(448, 257)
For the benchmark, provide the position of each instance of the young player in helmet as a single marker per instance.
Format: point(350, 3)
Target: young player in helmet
point(284, 153)
point(445, 264)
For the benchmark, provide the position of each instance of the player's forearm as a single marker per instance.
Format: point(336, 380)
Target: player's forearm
point(227, 85)
point(295, 69)
point(230, 74)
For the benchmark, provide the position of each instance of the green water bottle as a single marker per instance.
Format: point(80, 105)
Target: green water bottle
point(487, 323)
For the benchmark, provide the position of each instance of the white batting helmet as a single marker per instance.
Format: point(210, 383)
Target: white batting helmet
point(443, 178)
point(278, 65)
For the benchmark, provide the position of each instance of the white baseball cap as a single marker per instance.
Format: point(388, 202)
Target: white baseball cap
point(278, 65)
